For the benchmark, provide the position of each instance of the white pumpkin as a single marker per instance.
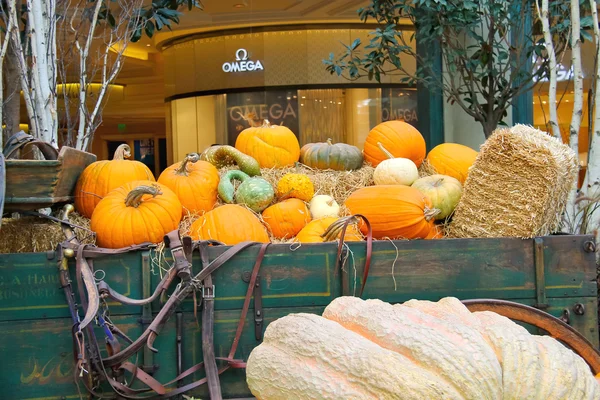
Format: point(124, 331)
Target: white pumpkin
point(323, 205)
point(396, 171)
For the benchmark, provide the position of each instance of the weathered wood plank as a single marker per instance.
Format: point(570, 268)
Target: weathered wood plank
point(73, 162)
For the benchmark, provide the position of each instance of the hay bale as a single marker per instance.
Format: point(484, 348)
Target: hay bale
point(34, 234)
point(517, 187)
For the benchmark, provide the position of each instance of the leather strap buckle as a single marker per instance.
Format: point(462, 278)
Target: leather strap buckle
point(208, 293)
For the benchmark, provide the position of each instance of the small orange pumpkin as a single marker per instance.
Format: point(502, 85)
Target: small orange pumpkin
point(452, 159)
point(230, 224)
point(273, 146)
point(394, 211)
point(401, 139)
point(195, 183)
point(137, 212)
point(286, 218)
point(100, 177)
point(313, 231)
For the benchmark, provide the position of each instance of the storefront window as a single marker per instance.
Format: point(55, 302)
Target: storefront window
point(279, 107)
point(315, 115)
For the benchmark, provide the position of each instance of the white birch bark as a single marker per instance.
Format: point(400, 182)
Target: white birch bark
point(84, 52)
point(15, 37)
point(543, 15)
point(577, 77)
point(591, 183)
point(573, 217)
point(10, 25)
point(42, 22)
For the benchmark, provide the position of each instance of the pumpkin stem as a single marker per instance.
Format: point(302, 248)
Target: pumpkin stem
point(430, 213)
point(192, 157)
point(330, 202)
point(385, 151)
point(329, 142)
point(122, 152)
point(134, 198)
point(332, 232)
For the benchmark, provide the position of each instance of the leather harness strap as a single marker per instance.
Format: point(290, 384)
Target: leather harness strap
point(208, 321)
point(369, 249)
point(117, 360)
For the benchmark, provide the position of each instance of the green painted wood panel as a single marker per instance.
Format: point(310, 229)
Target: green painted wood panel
point(466, 268)
point(473, 268)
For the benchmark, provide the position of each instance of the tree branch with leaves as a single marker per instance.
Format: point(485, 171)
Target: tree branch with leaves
point(484, 70)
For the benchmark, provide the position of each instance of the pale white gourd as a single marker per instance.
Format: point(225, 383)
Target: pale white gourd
point(395, 171)
point(305, 356)
point(443, 348)
point(417, 350)
point(322, 206)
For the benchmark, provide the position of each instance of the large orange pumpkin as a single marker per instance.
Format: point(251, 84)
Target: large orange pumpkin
point(230, 224)
point(401, 139)
point(286, 218)
point(312, 232)
point(137, 212)
point(394, 211)
point(452, 159)
point(273, 146)
point(195, 183)
point(100, 177)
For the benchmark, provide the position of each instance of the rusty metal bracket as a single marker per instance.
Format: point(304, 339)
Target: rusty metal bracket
point(540, 274)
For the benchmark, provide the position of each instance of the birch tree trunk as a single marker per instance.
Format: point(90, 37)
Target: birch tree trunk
point(577, 76)
point(572, 218)
point(11, 24)
point(12, 96)
point(543, 15)
point(591, 183)
point(42, 22)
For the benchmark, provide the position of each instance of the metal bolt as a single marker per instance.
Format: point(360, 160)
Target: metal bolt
point(246, 276)
point(589, 246)
point(565, 316)
point(579, 309)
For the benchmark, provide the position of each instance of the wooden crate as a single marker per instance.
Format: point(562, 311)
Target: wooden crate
point(33, 184)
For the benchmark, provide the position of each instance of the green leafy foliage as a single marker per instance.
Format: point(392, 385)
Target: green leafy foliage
point(487, 49)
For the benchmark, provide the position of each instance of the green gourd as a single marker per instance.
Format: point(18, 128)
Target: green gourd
point(339, 156)
point(223, 156)
point(254, 192)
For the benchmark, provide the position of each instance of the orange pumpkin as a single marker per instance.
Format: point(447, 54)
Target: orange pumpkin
point(452, 159)
point(312, 232)
point(195, 183)
point(273, 146)
point(286, 218)
point(394, 211)
point(100, 177)
point(230, 224)
point(401, 139)
point(137, 212)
